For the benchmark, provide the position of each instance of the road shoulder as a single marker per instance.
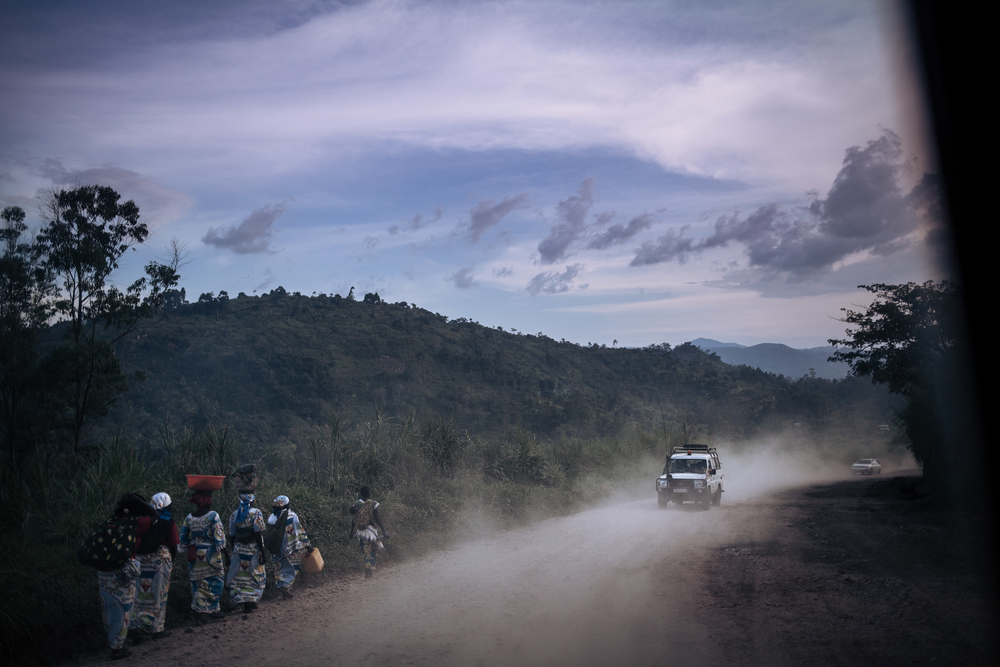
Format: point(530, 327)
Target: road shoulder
point(852, 572)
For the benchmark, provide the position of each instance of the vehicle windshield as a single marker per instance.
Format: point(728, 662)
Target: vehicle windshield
point(863, 462)
point(687, 465)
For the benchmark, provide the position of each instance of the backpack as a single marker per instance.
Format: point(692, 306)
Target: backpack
point(111, 545)
point(275, 533)
point(365, 515)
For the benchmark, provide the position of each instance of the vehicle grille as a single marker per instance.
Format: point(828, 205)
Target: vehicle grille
point(689, 483)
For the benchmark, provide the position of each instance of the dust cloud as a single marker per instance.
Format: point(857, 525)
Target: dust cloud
point(617, 584)
point(786, 461)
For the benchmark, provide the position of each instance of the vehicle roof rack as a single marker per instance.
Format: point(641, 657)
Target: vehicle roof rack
point(694, 448)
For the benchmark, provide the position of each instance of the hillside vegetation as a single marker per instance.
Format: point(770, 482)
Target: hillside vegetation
point(277, 369)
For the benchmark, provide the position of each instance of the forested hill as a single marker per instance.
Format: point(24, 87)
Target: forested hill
point(276, 368)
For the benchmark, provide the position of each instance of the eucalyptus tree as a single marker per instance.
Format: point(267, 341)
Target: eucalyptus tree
point(86, 233)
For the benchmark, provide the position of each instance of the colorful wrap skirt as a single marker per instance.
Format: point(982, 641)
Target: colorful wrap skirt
point(285, 569)
point(117, 591)
point(202, 538)
point(205, 594)
point(247, 575)
point(150, 608)
point(207, 577)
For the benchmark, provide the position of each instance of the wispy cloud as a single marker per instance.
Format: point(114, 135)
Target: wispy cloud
point(462, 278)
point(488, 213)
point(553, 282)
point(253, 235)
point(418, 221)
point(156, 202)
point(617, 234)
point(572, 215)
point(266, 280)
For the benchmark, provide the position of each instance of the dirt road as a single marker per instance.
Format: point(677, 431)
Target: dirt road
point(812, 576)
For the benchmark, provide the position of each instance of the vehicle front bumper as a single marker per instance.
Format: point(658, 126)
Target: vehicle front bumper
point(689, 491)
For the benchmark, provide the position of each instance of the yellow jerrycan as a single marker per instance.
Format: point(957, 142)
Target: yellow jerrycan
point(313, 561)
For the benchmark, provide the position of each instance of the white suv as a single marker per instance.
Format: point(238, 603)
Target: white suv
point(692, 473)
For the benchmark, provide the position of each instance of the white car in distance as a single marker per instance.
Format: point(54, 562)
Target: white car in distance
point(866, 467)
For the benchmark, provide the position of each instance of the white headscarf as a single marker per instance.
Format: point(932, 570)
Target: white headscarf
point(159, 501)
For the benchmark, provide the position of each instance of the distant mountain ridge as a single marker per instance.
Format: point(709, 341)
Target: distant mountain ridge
point(777, 358)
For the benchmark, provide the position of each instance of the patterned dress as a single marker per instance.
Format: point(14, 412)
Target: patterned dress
point(117, 590)
point(150, 608)
point(286, 567)
point(153, 584)
point(247, 576)
point(203, 538)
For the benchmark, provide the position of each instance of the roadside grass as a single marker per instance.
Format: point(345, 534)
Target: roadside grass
point(436, 486)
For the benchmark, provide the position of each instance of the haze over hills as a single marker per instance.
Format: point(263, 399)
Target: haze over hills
point(777, 358)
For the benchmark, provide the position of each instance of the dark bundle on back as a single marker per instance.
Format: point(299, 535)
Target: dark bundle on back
point(112, 543)
point(246, 478)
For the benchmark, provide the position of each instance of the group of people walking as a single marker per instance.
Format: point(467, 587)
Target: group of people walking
point(134, 595)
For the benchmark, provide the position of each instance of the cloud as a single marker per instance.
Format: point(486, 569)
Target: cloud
point(926, 199)
point(865, 211)
point(694, 89)
point(617, 233)
point(154, 200)
point(417, 222)
point(503, 272)
point(251, 236)
point(370, 245)
point(502, 239)
point(604, 218)
point(866, 206)
point(552, 282)
point(462, 278)
point(267, 279)
point(488, 213)
point(572, 213)
point(672, 246)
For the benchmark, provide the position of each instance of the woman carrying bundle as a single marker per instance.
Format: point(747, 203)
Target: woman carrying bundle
point(286, 540)
point(247, 576)
point(117, 586)
point(155, 554)
point(203, 538)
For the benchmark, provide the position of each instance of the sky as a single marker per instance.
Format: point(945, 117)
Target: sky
point(622, 173)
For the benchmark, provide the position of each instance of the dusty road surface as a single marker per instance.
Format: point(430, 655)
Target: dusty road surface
point(822, 575)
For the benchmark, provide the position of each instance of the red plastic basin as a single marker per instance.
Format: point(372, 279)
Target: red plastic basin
point(205, 482)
